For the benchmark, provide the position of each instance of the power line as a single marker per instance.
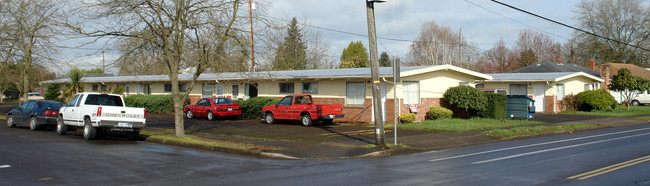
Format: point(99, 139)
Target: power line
point(568, 26)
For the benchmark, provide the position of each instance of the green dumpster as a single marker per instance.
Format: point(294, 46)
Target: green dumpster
point(520, 107)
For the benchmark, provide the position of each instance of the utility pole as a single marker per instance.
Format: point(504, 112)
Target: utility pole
point(374, 72)
point(460, 46)
point(250, 20)
point(103, 63)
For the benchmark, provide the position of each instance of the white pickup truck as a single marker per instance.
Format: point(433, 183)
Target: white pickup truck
point(98, 113)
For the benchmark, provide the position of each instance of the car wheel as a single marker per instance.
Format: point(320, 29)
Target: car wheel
point(210, 115)
point(10, 121)
point(328, 122)
point(268, 117)
point(635, 103)
point(61, 129)
point(189, 114)
point(305, 120)
point(89, 131)
point(32, 123)
point(132, 136)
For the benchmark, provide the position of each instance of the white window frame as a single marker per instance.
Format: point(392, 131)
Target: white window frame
point(293, 87)
point(210, 89)
point(220, 90)
point(411, 92)
point(353, 97)
point(313, 88)
point(560, 92)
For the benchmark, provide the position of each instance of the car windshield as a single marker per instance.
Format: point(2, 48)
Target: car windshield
point(51, 105)
point(106, 100)
point(222, 101)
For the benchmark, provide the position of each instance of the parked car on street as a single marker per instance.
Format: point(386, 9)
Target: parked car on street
point(35, 96)
point(99, 113)
point(35, 113)
point(213, 107)
point(301, 107)
point(642, 99)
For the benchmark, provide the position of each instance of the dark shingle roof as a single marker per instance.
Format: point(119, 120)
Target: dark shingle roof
point(546, 66)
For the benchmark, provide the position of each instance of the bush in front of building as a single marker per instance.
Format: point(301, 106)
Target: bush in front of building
point(439, 113)
point(571, 102)
point(407, 118)
point(497, 104)
point(466, 99)
point(596, 100)
point(252, 108)
point(52, 93)
point(153, 103)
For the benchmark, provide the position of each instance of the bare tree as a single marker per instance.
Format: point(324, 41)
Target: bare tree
point(31, 27)
point(178, 30)
point(626, 22)
point(536, 45)
point(498, 59)
point(438, 44)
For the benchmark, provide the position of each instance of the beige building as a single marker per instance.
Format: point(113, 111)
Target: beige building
point(420, 87)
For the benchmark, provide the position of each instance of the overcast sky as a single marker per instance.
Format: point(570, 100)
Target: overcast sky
point(483, 23)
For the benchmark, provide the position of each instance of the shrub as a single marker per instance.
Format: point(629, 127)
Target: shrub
point(153, 103)
point(468, 99)
point(497, 105)
point(571, 102)
point(252, 108)
point(407, 118)
point(52, 93)
point(119, 90)
point(596, 99)
point(439, 113)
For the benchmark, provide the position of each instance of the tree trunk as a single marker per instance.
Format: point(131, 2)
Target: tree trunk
point(179, 124)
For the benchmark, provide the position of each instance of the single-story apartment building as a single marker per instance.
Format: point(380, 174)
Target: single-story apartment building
point(608, 70)
point(420, 86)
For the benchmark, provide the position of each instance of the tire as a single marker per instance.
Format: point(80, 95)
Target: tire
point(61, 128)
point(305, 120)
point(210, 115)
point(133, 136)
point(32, 124)
point(189, 114)
point(10, 121)
point(268, 117)
point(90, 132)
point(635, 103)
point(328, 121)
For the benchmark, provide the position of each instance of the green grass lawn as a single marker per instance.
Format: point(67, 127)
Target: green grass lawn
point(526, 131)
point(461, 125)
point(616, 112)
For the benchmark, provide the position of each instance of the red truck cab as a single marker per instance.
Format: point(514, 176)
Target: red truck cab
point(301, 107)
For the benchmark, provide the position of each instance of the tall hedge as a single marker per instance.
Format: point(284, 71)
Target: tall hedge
point(466, 98)
point(252, 108)
point(153, 103)
point(596, 99)
point(497, 104)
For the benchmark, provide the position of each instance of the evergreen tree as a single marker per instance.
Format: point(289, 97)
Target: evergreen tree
point(384, 60)
point(354, 56)
point(291, 54)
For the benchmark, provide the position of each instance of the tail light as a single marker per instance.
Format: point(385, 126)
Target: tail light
point(51, 113)
point(145, 114)
point(99, 111)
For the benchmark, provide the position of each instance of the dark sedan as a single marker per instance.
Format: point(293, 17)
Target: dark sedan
point(35, 114)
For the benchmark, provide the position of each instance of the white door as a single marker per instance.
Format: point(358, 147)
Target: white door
point(540, 90)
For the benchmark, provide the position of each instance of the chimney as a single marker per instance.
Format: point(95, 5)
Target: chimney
point(559, 60)
point(592, 64)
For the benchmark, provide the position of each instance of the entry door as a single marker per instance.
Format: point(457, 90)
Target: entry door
point(540, 91)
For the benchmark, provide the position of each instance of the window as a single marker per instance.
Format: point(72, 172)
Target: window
point(168, 88)
point(235, 90)
point(182, 87)
point(286, 88)
point(479, 86)
point(219, 89)
point(106, 100)
point(518, 89)
point(95, 88)
point(310, 88)
point(355, 93)
point(222, 101)
point(127, 89)
point(207, 90)
point(203, 102)
point(411, 92)
point(285, 101)
point(146, 89)
point(302, 100)
point(560, 92)
point(587, 87)
point(463, 83)
point(73, 101)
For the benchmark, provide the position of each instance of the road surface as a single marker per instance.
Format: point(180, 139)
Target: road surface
point(614, 156)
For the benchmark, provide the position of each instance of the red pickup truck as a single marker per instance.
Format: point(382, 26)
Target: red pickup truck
point(301, 107)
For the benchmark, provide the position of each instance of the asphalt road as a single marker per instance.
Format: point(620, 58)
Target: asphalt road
point(42, 157)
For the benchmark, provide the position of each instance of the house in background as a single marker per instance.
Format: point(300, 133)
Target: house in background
point(421, 87)
point(608, 70)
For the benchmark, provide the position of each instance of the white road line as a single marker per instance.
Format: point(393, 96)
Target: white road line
point(4, 166)
point(558, 148)
point(537, 144)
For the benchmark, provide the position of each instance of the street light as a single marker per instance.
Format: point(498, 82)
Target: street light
point(374, 73)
